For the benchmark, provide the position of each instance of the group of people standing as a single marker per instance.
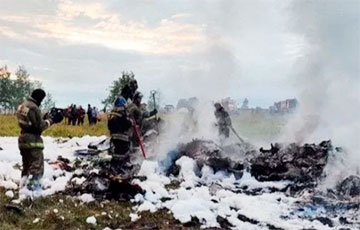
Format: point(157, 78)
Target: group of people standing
point(76, 115)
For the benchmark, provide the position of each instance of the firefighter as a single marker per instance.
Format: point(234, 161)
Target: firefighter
point(223, 120)
point(31, 145)
point(119, 125)
point(137, 112)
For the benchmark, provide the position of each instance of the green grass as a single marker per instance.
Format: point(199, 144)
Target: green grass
point(251, 127)
point(72, 215)
point(9, 127)
point(259, 127)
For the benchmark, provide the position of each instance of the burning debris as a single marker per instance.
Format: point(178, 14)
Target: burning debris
point(350, 187)
point(282, 162)
point(229, 158)
point(291, 162)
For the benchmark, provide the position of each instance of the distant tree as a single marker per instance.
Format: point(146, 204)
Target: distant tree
point(6, 88)
point(14, 91)
point(23, 85)
point(150, 104)
point(116, 86)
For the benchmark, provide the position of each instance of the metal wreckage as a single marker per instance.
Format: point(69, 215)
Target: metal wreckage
point(302, 166)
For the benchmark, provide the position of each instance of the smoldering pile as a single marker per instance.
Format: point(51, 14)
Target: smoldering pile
point(282, 162)
point(302, 166)
point(239, 169)
point(291, 162)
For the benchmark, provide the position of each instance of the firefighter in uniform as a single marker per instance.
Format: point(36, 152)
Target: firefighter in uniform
point(223, 121)
point(119, 126)
point(136, 113)
point(31, 145)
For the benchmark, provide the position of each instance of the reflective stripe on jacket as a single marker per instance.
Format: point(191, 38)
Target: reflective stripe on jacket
point(31, 145)
point(120, 136)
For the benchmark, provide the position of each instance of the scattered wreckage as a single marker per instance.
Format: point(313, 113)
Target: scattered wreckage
point(302, 166)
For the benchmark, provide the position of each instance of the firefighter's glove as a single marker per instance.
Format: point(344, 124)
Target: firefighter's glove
point(154, 112)
point(56, 115)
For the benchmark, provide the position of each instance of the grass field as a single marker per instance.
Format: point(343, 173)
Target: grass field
point(251, 127)
point(9, 127)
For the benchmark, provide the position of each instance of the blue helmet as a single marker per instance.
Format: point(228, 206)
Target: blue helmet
point(120, 102)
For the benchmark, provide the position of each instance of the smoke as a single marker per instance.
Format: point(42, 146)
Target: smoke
point(183, 126)
point(323, 37)
point(327, 77)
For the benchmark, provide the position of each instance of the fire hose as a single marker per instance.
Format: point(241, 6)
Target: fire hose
point(138, 136)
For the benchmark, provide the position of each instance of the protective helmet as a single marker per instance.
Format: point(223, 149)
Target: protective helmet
point(138, 95)
point(38, 95)
point(120, 102)
point(217, 104)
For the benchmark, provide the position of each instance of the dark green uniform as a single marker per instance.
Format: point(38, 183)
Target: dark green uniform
point(119, 126)
point(223, 122)
point(30, 142)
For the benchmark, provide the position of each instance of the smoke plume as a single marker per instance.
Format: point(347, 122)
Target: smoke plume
point(327, 77)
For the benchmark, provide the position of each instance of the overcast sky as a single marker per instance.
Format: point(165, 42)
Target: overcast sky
point(185, 48)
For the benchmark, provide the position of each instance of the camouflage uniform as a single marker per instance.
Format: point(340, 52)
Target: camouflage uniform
point(223, 122)
point(30, 142)
point(119, 126)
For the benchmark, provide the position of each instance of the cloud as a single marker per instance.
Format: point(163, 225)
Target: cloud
point(181, 15)
point(92, 23)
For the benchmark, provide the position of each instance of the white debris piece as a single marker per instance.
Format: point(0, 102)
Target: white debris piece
point(8, 184)
point(147, 206)
point(78, 180)
point(9, 194)
point(55, 211)
point(96, 171)
point(134, 217)
point(79, 172)
point(91, 220)
point(86, 198)
point(36, 220)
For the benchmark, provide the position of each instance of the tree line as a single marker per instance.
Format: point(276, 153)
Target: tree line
point(15, 88)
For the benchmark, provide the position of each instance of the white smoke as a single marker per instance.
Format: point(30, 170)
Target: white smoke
point(327, 77)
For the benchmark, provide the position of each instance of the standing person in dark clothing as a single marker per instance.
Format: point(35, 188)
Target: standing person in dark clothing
point(69, 114)
point(74, 115)
point(136, 113)
point(89, 114)
point(94, 115)
point(119, 126)
point(31, 145)
point(223, 120)
point(129, 90)
point(81, 116)
point(133, 85)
